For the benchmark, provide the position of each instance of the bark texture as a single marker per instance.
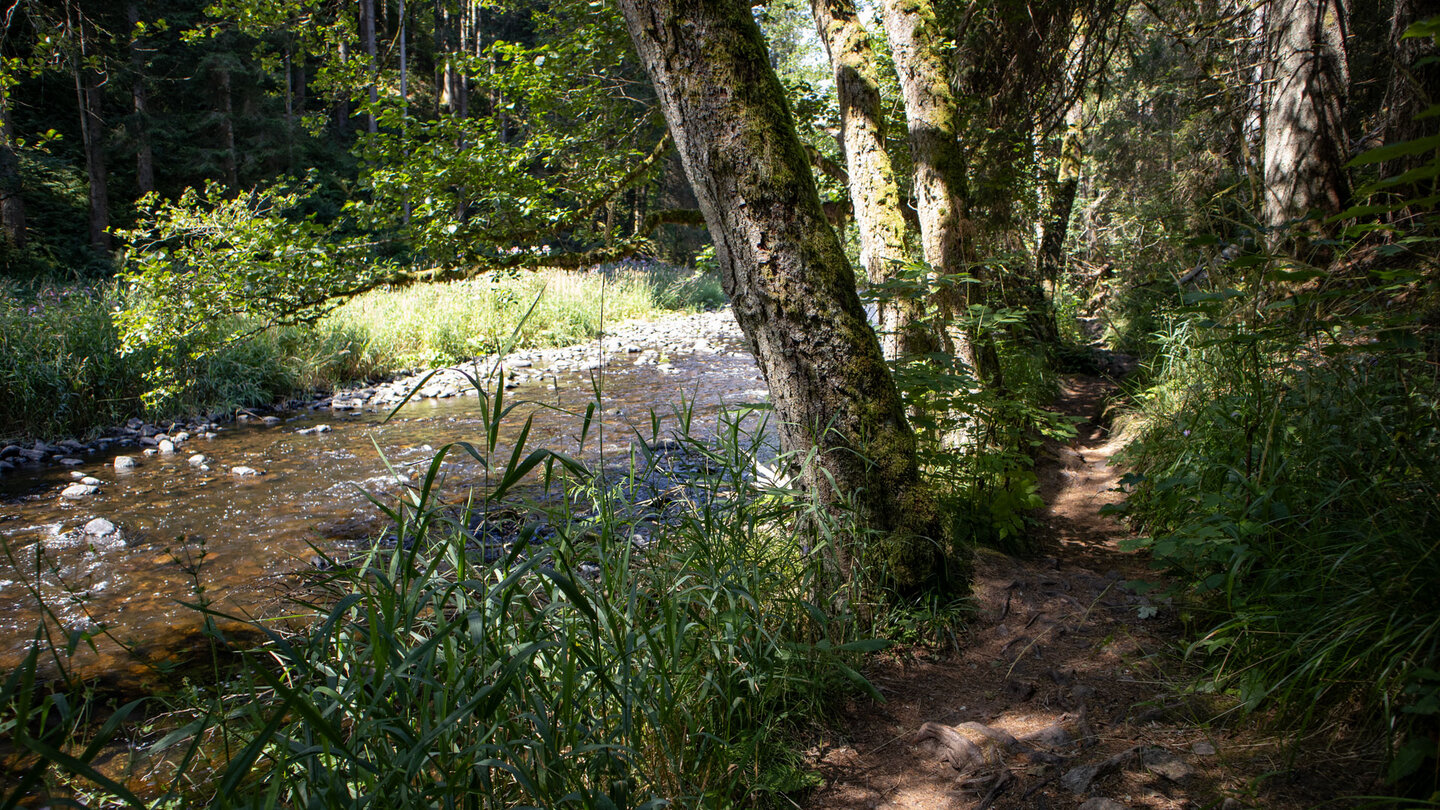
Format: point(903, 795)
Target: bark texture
point(1414, 82)
point(791, 287)
point(874, 193)
point(917, 44)
point(1306, 82)
point(92, 129)
point(12, 203)
point(139, 94)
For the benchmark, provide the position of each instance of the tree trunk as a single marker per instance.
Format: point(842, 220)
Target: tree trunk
point(1306, 83)
point(916, 42)
point(230, 162)
point(1414, 79)
point(144, 156)
point(1049, 259)
point(92, 133)
point(12, 204)
point(341, 112)
point(792, 289)
point(367, 38)
point(874, 193)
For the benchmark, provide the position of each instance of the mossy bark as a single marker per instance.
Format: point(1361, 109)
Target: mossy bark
point(874, 192)
point(791, 287)
point(946, 234)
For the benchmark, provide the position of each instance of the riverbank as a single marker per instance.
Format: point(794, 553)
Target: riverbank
point(67, 383)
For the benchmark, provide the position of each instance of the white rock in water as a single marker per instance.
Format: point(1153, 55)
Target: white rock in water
point(271, 420)
point(166, 446)
point(149, 451)
point(90, 480)
point(69, 462)
point(311, 431)
point(99, 527)
point(245, 471)
point(180, 437)
point(124, 462)
point(77, 491)
point(198, 460)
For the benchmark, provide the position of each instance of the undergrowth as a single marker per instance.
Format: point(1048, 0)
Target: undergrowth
point(64, 371)
point(1287, 471)
point(613, 644)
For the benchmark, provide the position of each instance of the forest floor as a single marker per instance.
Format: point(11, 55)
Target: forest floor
point(1084, 672)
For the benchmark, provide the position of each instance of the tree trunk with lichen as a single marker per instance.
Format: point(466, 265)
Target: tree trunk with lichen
point(790, 285)
point(874, 193)
point(917, 43)
point(1306, 81)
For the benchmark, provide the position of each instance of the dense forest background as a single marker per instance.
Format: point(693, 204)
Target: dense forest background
point(204, 205)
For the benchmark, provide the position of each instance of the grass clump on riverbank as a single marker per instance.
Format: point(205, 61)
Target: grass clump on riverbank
point(63, 372)
point(427, 325)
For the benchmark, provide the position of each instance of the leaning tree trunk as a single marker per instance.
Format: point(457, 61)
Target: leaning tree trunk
point(930, 110)
point(792, 290)
point(874, 193)
point(1306, 81)
point(12, 204)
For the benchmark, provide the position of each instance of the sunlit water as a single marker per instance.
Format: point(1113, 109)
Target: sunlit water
point(241, 542)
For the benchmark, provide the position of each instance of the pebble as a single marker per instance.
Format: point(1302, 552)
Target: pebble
point(99, 527)
point(77, 491)
point(124, 462)
point(91, 481)
point(245, 471)
point(69, 462)
point(198, 460)
point(311, 431)
point(166, 446)
point(271, 421)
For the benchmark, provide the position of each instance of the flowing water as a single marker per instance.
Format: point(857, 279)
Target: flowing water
point(238, 543)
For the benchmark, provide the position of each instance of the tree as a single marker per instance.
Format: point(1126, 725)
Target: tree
point(789, 282)
point(92, 124)
point(12, 203)
point(874, 191)
point(1306, 82)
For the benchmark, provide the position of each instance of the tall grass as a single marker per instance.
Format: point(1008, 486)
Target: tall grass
point(62, 372)
point(582, 672)
point(1292, 485)
point(443, 323)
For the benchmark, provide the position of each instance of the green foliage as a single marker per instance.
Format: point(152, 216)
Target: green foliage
point(1289, 479)
point(584, 672)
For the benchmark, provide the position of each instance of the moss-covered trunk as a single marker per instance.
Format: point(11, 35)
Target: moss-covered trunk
point(874, 193)
point(946, 234)
point(791, 287)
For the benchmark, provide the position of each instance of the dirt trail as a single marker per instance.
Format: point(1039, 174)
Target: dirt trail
point(1060, 650)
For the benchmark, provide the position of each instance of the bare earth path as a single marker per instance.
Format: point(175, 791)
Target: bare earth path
point(1060, 650)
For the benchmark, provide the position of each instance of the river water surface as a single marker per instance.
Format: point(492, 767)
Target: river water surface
point(241, 541)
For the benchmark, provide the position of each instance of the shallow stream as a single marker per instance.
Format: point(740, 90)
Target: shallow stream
point(240, 541)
